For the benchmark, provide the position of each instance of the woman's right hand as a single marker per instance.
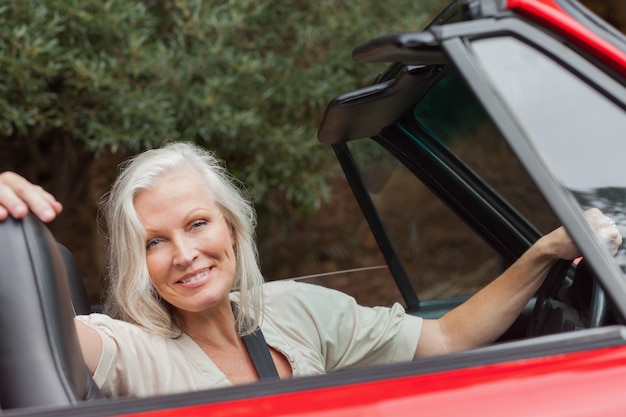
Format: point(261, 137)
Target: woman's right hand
point(18, 196)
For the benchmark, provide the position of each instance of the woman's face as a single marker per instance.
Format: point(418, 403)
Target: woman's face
point(189, 243)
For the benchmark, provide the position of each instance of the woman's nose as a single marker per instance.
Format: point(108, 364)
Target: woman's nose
point(185, 252)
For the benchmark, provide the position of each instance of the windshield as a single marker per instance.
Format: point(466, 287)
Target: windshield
point(442, 255)
point(577, 129)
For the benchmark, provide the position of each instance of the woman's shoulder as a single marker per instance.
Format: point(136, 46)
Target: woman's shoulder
point(103, 319)
point(117, 328)
point(298, 290)
point(296, 298)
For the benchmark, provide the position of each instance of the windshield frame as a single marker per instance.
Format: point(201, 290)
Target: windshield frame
point(458, 48)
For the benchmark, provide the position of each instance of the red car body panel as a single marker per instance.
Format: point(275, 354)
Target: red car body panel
point(549, 14)
point(585, 381)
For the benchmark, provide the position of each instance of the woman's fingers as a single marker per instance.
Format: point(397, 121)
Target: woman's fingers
point(605, 228)
point(18, 196)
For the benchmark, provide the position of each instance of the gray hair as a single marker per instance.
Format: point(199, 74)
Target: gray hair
point(131, 296)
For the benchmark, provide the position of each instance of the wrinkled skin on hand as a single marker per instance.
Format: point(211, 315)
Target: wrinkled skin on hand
point(559, 244)
point(605, 229)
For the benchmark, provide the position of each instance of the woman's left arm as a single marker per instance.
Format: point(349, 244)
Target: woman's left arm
point(486, 315)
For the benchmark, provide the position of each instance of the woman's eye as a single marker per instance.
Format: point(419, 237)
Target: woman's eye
point(152, 243)
point(198, 223)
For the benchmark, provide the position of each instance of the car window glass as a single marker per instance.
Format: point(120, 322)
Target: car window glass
point(441, 254)
point(451, 114)
point(578, 130)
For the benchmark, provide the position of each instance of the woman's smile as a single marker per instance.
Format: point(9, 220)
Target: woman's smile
point(195, 279)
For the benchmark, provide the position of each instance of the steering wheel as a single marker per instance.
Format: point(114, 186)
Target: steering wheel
point(569, 299)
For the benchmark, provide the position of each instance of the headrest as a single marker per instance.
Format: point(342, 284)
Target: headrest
point(40, 358)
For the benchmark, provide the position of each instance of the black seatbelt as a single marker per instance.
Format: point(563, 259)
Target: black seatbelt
point(260, 354)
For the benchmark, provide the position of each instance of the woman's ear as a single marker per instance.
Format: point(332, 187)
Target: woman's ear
point(233, 235)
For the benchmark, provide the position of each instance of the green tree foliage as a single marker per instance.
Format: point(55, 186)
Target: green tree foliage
point(85, 83)
point(248, 79)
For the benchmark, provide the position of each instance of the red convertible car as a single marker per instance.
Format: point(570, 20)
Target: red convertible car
point(500, 120)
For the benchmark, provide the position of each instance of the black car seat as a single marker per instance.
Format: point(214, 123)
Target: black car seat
point(78, 292)
point(40, 358)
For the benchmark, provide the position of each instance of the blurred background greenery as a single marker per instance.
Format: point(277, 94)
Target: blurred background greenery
point(86, 83)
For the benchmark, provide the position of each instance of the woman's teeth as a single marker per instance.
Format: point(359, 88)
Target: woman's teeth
point(195, 277)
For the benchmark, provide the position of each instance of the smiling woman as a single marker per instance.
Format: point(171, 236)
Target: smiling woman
point(186, 289)
point(178, 223)
point(161, 199)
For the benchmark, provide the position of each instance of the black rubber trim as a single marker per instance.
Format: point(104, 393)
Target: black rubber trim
point(466, 194)
point(378, 229)
point(594, 23)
